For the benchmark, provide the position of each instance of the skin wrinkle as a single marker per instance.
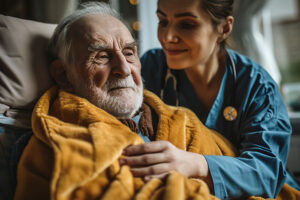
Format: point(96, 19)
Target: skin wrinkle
point(101, 47)
point(106, 68)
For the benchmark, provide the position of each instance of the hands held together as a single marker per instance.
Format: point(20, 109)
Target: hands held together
point(157, 159)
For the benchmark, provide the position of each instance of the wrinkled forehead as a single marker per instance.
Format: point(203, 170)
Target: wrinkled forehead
point(99, 26)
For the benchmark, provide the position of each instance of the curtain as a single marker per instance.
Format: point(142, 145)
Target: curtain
point(252, 34)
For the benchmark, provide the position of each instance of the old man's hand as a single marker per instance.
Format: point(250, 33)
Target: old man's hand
point(157, 159)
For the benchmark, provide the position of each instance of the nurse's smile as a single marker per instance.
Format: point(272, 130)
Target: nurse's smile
point(175, 52)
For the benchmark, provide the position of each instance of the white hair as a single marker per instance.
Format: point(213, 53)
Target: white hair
point(59, 46)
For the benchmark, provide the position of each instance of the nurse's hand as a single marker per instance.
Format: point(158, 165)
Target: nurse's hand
point(157, 159)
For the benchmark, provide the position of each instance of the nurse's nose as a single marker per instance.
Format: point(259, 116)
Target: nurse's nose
point(171, 34)
point(121, 68)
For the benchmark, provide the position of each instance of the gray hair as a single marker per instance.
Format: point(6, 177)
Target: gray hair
point(60, 45)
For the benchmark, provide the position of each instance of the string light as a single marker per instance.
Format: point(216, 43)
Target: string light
point(136, 25)
point(134, 2)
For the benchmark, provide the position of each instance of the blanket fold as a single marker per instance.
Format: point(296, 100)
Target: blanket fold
point(75, 148)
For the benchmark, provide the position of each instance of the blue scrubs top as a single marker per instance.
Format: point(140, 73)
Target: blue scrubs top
point(261, 132)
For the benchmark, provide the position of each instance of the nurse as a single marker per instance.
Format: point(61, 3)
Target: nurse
point(229, 93)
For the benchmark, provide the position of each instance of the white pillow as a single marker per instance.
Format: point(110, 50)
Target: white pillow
point(24, 74)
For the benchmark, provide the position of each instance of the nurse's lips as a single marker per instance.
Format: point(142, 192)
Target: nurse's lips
point(174, 52)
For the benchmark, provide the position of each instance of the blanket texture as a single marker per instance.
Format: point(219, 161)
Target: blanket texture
point(75, 148)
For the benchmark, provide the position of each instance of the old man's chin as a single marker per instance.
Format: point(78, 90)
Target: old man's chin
point(123, 102)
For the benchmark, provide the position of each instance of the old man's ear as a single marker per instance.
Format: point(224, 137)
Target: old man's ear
point(59, 74)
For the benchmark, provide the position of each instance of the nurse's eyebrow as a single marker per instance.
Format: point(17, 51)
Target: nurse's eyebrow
point(185, 14)
point(160, 12)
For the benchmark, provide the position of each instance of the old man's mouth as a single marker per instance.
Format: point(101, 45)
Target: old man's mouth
point(119, 88)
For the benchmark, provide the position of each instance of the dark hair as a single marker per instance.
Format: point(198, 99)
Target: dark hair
point(218, 11)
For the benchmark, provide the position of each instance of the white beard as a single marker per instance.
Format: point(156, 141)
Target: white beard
point(123, 103)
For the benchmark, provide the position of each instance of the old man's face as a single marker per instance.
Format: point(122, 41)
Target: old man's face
point(105, 67)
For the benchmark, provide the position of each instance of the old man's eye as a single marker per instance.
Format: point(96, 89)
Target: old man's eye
point(102, 57)
point(128, 52)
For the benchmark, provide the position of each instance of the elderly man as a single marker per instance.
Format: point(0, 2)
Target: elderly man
point(82, 128)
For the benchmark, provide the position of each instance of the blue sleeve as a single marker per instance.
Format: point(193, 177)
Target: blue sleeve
point(153, 70)
point(264, 133)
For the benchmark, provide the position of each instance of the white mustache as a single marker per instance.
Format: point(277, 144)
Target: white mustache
point(113, 82)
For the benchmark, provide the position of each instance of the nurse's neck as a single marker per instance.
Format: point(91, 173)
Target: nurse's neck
point(209, 73)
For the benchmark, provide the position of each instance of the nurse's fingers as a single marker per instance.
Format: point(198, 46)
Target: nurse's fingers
point(145, 159)
point(159, 176)
point(151, 147)
point(150, 171)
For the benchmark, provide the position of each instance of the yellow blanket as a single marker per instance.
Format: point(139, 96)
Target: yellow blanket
point(74, 152)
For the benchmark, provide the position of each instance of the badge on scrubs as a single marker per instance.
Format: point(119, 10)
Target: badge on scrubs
point(230, 113)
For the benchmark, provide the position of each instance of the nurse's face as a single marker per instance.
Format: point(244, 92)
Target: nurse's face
point(186, 33)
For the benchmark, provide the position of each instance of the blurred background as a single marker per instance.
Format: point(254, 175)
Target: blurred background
point(268, 31)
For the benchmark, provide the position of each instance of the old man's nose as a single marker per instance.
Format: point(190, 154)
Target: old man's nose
point(121, 67)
